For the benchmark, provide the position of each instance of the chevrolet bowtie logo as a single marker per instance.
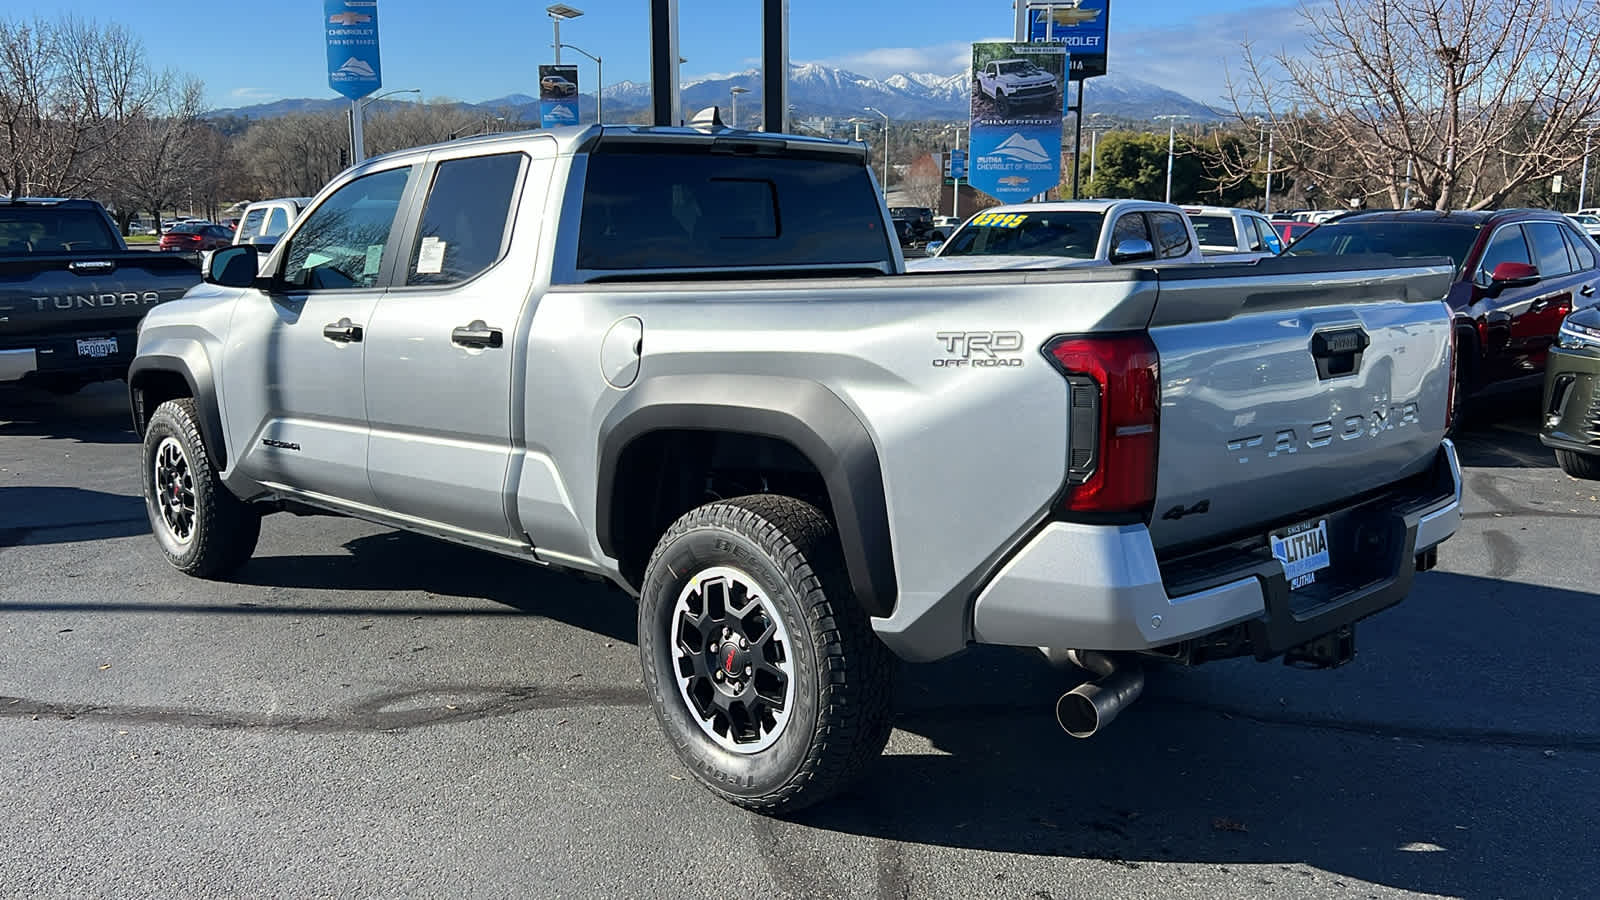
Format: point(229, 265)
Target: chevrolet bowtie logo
point(349, 18)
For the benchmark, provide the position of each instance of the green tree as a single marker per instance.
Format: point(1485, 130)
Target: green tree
point(1133, 166)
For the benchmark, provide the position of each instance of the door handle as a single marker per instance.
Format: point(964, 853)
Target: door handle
point(1587, 290)
point(477, 335)
point(1540, 305)
point(344, 331)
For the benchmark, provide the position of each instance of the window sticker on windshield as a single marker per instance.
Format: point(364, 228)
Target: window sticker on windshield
point(430, 256)
point(374, 257)
point(999, 220)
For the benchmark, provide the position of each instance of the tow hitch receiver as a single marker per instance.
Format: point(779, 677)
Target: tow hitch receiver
point(1329, 651)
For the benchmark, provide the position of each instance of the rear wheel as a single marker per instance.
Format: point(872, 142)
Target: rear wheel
point(201, 528)
point(763, 670)
point(1579, 465)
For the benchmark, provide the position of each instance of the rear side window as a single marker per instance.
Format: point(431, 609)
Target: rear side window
point(464, 221)
point(1549, 250)
point(1583, 257)
point(667, 208)
point(1172, 239)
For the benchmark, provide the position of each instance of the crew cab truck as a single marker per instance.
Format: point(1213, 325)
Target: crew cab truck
point(1224, 230)
point(72, 293)
point(1016, 83)
point(597, 350)
point(1074, 234)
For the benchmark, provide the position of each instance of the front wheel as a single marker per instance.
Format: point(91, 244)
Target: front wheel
point(1579, 465)
point(202, 528)
point(762, 667)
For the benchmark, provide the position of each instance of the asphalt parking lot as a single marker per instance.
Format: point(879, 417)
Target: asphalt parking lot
point(367, 713)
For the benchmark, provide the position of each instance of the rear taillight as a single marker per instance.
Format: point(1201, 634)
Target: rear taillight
point(1450, 386)
point(1114, 403)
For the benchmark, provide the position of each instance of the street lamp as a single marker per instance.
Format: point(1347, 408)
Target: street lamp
point(557, 12)
point(1172, 133)
point(1266, 203)
point(1583, 180)
point(599, 77)
point(885, 115)
point(358, 113)
point(736, 91)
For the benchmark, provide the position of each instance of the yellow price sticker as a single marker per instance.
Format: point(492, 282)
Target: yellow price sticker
point(1000, 220)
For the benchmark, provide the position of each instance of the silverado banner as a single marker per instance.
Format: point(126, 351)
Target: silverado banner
point(1017, 97)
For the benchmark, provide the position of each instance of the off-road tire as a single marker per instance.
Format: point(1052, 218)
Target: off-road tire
point(1579, 465)
point(841, 716)
point(225, 529)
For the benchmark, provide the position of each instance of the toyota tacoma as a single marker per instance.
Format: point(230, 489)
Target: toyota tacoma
point(690, 361)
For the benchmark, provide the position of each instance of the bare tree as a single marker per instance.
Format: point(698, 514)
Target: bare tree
point(1475, 97)
point(295, 155)
point(162, 155)
point(69, 91)
point(923, 183)
point(397, 126)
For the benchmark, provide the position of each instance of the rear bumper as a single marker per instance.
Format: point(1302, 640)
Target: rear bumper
point(1096, 587)
point(57, 355)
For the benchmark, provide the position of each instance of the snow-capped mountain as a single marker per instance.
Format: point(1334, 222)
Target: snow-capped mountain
point(820, 90)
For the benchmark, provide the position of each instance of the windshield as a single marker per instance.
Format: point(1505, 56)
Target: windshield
point(1408, 239)
point(1074, 235)
point(1022, 67)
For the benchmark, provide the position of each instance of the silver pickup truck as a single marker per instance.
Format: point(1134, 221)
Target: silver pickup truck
point(690, 362)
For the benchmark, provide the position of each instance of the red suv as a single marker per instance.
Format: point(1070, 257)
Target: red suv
point(1518, 273)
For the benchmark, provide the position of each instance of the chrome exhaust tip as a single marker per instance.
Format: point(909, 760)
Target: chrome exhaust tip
point(1083, 711)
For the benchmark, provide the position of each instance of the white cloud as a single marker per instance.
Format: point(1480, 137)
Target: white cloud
point(940, 59)
point(252, 95)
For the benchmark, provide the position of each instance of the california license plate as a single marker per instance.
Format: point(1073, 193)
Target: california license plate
point(1303, 550)
point(98, 348)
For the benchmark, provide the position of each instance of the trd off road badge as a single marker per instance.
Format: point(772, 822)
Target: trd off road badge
point(979, 350)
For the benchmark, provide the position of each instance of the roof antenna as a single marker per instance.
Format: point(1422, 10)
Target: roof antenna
point(709, 119)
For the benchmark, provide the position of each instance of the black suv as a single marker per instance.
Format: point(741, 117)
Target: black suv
point(1518, 273)
point(913, 223)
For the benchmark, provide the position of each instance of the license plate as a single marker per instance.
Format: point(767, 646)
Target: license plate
point(1303, 550)
point(98, 348)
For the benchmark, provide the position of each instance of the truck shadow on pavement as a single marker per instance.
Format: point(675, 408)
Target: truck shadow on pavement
point(39, 514)
point(98, 414)
point(1430, 790)
point(400, 561)
point(1503, 433)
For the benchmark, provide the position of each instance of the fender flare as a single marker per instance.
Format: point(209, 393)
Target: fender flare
point(189, 360)
point(802, 413)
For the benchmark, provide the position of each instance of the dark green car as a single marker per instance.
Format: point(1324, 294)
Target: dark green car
point(1572, 395)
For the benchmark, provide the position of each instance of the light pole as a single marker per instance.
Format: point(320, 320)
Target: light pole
point(735, 91)
point(955, 189)
point(599, 77)
point(885, 115)
point(358, 114)
point(1266, 203)
point(557, 12)
point(1583, 180)
point(1172, 133)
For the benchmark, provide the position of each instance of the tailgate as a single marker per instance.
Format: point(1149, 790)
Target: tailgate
point(60, 294)
point(1291, 385)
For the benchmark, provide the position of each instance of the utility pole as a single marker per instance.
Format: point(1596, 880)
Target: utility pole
point(1583, 180)
point(885, 146)
point(1172, 133)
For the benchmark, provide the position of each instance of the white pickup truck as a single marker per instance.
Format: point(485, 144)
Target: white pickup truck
point(1227, 229)
point(1074, 234)
point(1016, 82)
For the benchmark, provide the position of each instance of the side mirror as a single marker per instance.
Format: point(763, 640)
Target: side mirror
point(232, 266)
point(933, 247)
point(1513, 274)
point(1133, 250)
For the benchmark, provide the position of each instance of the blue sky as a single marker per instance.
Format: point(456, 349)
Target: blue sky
point(481, 49)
